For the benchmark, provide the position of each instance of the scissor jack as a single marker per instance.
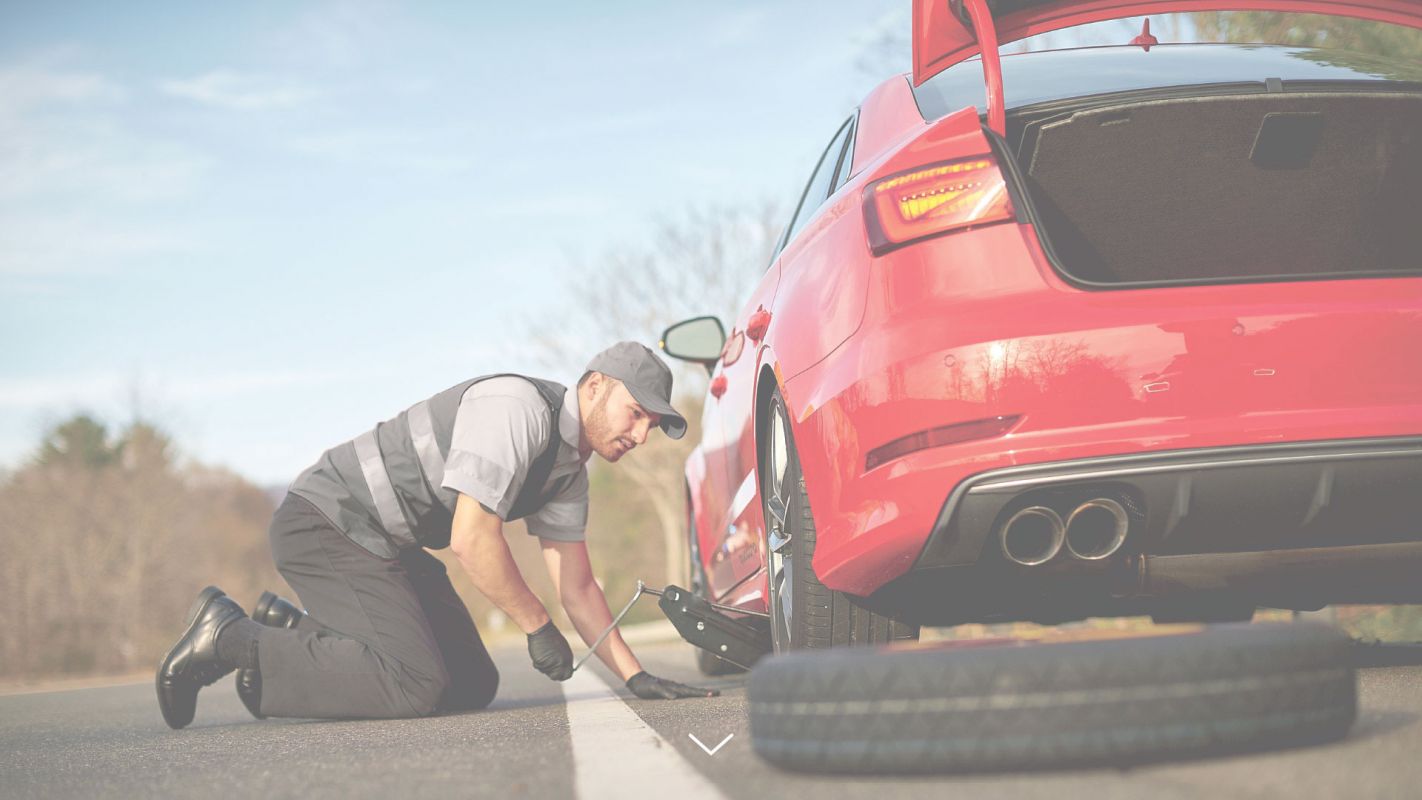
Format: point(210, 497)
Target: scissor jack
point(701, 623)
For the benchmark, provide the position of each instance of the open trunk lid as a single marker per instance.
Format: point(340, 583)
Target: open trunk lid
point(943, 30)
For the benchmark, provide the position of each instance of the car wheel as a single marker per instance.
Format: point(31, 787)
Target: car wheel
point(804, 613)
point(976, 706)
point(706, 661)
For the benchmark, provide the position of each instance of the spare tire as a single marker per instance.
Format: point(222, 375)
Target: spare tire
point(1008, 704)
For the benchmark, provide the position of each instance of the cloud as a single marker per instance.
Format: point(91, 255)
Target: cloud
point(36, 85)
point(425, 151)
point(238, 92)
point(65, 391)
point(74, 174)
point(738, 28)
point(94, 159)
point(37, 245)
point(64, 135)
point(342, 34)
point(612, 123)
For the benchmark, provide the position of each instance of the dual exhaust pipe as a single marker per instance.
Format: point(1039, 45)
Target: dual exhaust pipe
point(1094, 530)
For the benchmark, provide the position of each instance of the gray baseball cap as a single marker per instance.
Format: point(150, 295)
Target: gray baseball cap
point(647, 377)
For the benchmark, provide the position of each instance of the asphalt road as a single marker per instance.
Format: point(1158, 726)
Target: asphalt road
point(585, 739)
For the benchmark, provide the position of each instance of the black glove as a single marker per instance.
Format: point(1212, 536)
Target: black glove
point(550, 652)
point(650, 687)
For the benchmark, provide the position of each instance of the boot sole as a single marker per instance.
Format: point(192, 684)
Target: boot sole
point(170, 715)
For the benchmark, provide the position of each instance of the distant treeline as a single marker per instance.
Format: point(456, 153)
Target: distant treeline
point(107, 540)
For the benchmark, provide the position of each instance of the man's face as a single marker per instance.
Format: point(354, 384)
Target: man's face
point(616, 423)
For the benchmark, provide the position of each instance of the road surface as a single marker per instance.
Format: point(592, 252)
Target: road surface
point(589, 738)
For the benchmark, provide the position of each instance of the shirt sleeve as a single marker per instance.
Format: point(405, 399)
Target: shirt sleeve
point(495, 440)
point(565, 517)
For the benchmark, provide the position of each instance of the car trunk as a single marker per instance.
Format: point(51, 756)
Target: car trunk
point(1226, 186)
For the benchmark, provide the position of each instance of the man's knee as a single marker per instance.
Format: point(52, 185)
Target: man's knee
point(488, 687)
point(423, 687)
point(473, 692)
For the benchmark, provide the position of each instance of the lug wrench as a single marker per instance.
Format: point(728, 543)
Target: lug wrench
point(642, 589)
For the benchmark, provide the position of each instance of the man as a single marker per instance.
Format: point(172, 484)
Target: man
point(383, 633)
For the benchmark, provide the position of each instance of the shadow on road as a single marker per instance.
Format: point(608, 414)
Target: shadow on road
point(1387, 654)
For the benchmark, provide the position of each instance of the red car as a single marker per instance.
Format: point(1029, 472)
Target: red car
point(1091, 332)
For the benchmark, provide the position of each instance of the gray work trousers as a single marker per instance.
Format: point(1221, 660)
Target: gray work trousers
point(382, 638)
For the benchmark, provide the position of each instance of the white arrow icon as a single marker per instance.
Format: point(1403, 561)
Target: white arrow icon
point(711, 751)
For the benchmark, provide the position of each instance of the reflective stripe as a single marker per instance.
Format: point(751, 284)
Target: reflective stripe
point(423, 436)
point(376, 479)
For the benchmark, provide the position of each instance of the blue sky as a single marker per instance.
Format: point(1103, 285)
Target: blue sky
point(267, 225)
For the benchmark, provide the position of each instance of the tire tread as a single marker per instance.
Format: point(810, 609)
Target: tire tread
point(1125, 701)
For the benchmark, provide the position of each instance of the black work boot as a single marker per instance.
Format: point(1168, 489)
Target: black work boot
point(193, 662)
point(273, 612)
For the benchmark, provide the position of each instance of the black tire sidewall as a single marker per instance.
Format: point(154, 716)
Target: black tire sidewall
point(1229, 688)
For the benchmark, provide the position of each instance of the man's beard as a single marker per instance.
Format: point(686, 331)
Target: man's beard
point(597, 428)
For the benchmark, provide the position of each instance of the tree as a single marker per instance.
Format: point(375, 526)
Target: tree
point(1310, 30)
point(80, 441)
point(702, 262)
point(106, 541)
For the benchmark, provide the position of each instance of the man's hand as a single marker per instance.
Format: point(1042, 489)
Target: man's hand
point(550, 652)
point(650, 687)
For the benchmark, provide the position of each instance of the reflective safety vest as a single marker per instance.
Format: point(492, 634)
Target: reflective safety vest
point(382, 488)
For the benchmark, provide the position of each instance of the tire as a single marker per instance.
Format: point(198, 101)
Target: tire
point(1022, 706)
point(819, 617)
point(707, 662)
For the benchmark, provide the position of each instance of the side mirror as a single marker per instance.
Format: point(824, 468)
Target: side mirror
point(699, 339)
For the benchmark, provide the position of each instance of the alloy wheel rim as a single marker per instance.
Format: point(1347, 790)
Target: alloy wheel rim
point(780, 560)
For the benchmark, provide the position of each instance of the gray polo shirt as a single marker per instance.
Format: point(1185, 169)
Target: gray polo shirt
point(500, 428)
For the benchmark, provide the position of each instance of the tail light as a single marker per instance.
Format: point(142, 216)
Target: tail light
point(934, 200)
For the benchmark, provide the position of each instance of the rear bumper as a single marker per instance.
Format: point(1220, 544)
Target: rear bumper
point(1308, 578)
point(1212, 500)
point(1295, 525)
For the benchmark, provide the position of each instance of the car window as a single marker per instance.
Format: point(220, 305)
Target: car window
point(818, 188)
point(846, 159)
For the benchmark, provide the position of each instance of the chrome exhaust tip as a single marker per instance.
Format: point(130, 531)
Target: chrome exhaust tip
point(1032, 536)
point(1097, 529)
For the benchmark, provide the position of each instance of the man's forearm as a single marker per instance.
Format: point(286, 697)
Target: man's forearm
point(587, 608)
point(491, 567)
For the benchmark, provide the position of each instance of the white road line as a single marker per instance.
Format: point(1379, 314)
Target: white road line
point(616, 755)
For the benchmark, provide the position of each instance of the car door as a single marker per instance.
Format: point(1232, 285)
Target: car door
point(740, 555)
point(732, 397)
point(708, 480)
